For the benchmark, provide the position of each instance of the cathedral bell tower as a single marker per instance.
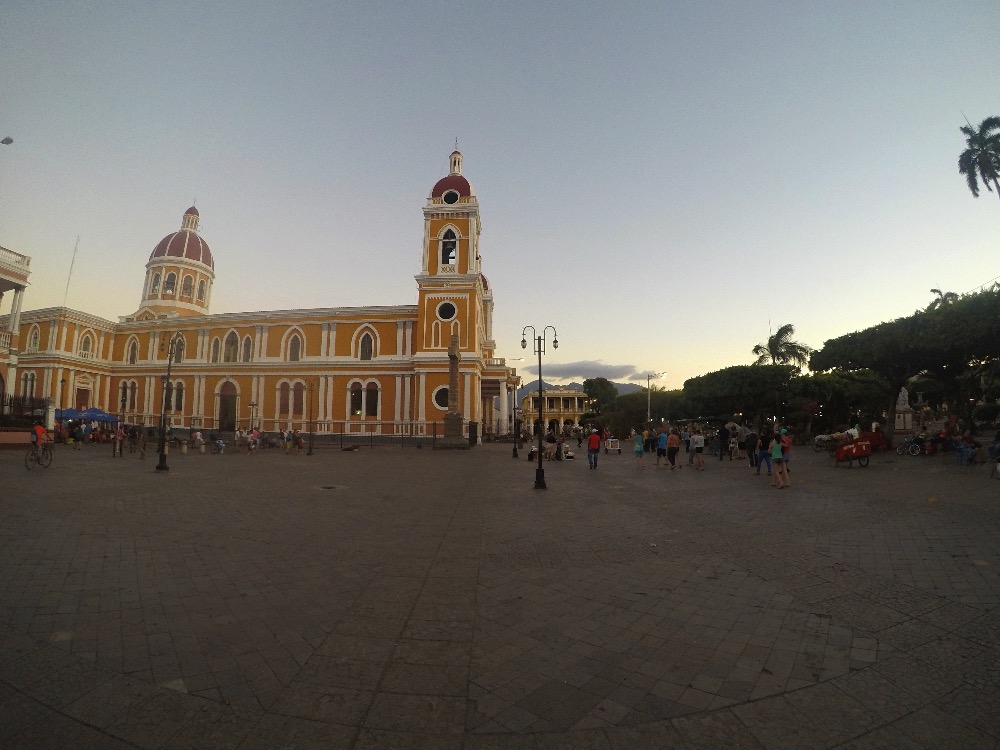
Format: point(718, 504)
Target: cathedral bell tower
point(451, 284)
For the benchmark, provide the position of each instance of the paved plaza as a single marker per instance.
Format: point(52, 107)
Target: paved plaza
point(406, 598)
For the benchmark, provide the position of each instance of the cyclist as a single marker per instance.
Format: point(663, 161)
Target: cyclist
point(39, 435)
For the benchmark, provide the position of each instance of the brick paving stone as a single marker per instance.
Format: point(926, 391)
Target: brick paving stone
point(466, 610)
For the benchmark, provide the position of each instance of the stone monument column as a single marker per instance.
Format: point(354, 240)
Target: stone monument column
point(453, 420)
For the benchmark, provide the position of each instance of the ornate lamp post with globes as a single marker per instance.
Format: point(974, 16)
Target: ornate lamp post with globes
point(539, 349)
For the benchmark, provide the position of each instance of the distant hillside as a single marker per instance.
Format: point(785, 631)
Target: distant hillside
point(623, 388)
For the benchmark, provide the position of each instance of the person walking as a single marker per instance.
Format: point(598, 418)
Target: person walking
point(673, 448)
point(750, 447)
point(661, 445)
point(640, 448)
point(593, 448)
point(786, 453)
point(698, 448)
point(763, 454)
point(780, 479)
point(723, 441)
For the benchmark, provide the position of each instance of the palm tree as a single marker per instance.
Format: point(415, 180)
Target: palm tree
point(943, 298)
point(780, 349)
point(981, 160)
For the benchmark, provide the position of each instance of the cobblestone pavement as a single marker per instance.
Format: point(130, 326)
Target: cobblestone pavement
point(407, 598)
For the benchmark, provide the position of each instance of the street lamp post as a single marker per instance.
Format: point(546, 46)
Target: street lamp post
point(170, 345)
point(513, 417)
point(121, 424)
point(650, 376)
point(253, 414)
point(539, 349)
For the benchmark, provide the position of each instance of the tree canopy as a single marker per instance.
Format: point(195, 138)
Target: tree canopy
point(948, 341)
point(754, 390)
point(781, 349)
point(981, 160)
point(603, 392)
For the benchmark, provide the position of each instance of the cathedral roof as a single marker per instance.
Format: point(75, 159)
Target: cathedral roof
point(185, 243)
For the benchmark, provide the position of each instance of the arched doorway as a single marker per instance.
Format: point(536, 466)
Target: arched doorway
point(227, 407)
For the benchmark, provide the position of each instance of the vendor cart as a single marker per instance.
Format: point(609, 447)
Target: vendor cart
point(612, 444)
point(859, 450)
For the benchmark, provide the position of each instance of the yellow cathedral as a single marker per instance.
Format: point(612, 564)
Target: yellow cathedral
point(354, 370)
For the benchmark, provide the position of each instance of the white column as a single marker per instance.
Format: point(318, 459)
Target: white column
point(504, 405)
point(15, 309)
point(420, 395)
point(398, 414)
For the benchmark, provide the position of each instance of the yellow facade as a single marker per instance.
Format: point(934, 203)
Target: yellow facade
point(359, 369)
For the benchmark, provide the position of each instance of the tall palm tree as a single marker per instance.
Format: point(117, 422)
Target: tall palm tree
point(943, 298)
point(981, 160)
point(780, 349)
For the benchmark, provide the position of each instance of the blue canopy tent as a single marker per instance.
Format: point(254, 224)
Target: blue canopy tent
point(96, 415)
point(63, 414)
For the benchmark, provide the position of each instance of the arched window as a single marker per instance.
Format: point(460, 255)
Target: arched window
point(371, 400)
point(247, 349)
point(33, 338)
point(283, 398)
point(179, 396)
point(86, 346)
point(133, 352)
point(298, 399)
point(154, 288)
point(357, 397)
point(216, 346)
point(170, 283)
point(232, 348)
point(448, 246)
point(123, 401)
point(294, 349)
point(179, 350)
point(201, 290)
point(168, 395)
point(131, 395)
point(187, 287)
point(366, 346)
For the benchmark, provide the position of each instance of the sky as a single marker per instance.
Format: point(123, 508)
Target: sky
point(664, 183)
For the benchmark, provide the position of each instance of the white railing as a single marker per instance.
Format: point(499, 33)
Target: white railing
point(4, 339)
point(10, 258)
point(495, 362)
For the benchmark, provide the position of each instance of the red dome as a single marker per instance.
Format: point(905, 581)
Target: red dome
point(184, 243)
point(452, 182)
point(193, 211)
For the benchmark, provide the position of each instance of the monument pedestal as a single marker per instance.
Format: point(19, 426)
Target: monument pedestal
point(453, 438)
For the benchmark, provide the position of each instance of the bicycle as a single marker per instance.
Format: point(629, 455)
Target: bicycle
point(44, 460)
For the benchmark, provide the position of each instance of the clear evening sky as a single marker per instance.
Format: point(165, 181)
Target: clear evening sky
point(660, 181)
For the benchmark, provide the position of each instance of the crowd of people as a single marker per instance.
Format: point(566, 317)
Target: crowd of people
point(771, 450)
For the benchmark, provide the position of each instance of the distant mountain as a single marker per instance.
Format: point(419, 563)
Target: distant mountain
point(525, 389)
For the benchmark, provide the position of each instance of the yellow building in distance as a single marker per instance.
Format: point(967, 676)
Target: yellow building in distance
point(562, 406)
point(361, 370)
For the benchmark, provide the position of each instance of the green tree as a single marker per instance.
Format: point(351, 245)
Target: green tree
point(781, 349)
point(602, 392)
point(952, 343)
point(943, 298)
point(981, 160)
point(755, 390)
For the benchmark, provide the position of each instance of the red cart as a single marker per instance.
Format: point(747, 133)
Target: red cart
point(859, 450)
